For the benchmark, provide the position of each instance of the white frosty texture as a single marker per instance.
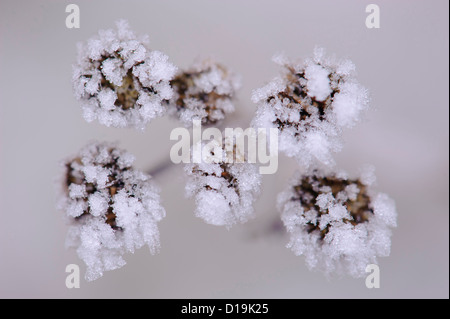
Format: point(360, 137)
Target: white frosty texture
point(108, 64)
point(224, 192)
point(204, 92)
point(346, 248)
point(291, 103)
point(104, 183)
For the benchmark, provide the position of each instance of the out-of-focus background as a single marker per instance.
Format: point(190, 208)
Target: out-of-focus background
point(405, 135)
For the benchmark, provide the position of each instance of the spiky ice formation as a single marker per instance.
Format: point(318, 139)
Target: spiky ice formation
point(224, 189)
point(204, 92)
point(339, 224)
point(119, 81)
point(310, 104)
point(111, 208)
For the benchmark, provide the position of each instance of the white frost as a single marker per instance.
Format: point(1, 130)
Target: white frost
point(310, 105)
point(347, 246)
point(204, 92)
point(102, 182)
point(115, 64)
point(224, 192)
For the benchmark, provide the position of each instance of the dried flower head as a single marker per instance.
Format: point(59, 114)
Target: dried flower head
point(309, 105)
point(338, 223)
point(224, 190)
point(119, 81)
point(111, 207)
point(204, 92)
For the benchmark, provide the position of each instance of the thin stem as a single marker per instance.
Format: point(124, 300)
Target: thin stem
point(165, 165)
point(160, 168)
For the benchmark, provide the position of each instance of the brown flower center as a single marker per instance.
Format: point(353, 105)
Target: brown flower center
point(127, 93)
point(182, 84)
point(308, 191)
point(297, 96)
point(115, 184)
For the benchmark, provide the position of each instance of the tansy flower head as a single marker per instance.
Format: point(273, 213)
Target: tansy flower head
point(119, 81)
point(310, 104)
point(339, 224)
point(111, 207)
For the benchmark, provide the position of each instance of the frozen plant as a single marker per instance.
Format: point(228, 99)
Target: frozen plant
point(310, 104)
point(119, 81)
point(224, 184)
point(339, 224)
point(204, 92)
point(111, 207)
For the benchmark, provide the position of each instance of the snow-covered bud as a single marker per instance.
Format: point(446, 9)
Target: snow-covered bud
point(309, 105)
point(339, 224)
point(224, 190)
point(119, 81)
point(111, 208)
point(204, 92)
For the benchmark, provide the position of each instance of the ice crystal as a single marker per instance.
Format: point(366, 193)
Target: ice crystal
point(339, 224)
point(119, 81)
point(204, 92)
point(111, 207)
point(310, 104)
point(224, 190)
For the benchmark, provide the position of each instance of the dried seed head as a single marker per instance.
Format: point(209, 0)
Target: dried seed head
point(224, 191)
point(204, 92)
point(96, 179)
point(339, 224)
point(111, 207)
point(309, 105)
point(119, 81)
point(313, 190)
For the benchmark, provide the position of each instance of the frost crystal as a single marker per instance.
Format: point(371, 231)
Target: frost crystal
point(204, 92)
point(111, 208)
point(224, 190)
point(309, 105)
point(339, 224)
point(119, 81)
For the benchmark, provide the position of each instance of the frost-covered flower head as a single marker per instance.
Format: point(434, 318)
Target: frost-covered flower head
point(309, 105)
point(339, 224)
point(224, 190)
point(204, 92)
point(119, 81)
point(111, 207)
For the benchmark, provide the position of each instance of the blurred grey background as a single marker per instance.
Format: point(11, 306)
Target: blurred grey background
point(405, 135)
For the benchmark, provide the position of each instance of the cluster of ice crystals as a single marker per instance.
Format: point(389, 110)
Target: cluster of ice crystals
point(224, 190)
point(340, 225)
point(111, 207)
point(310, 104)
point(119, 81)
point(204, 92)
